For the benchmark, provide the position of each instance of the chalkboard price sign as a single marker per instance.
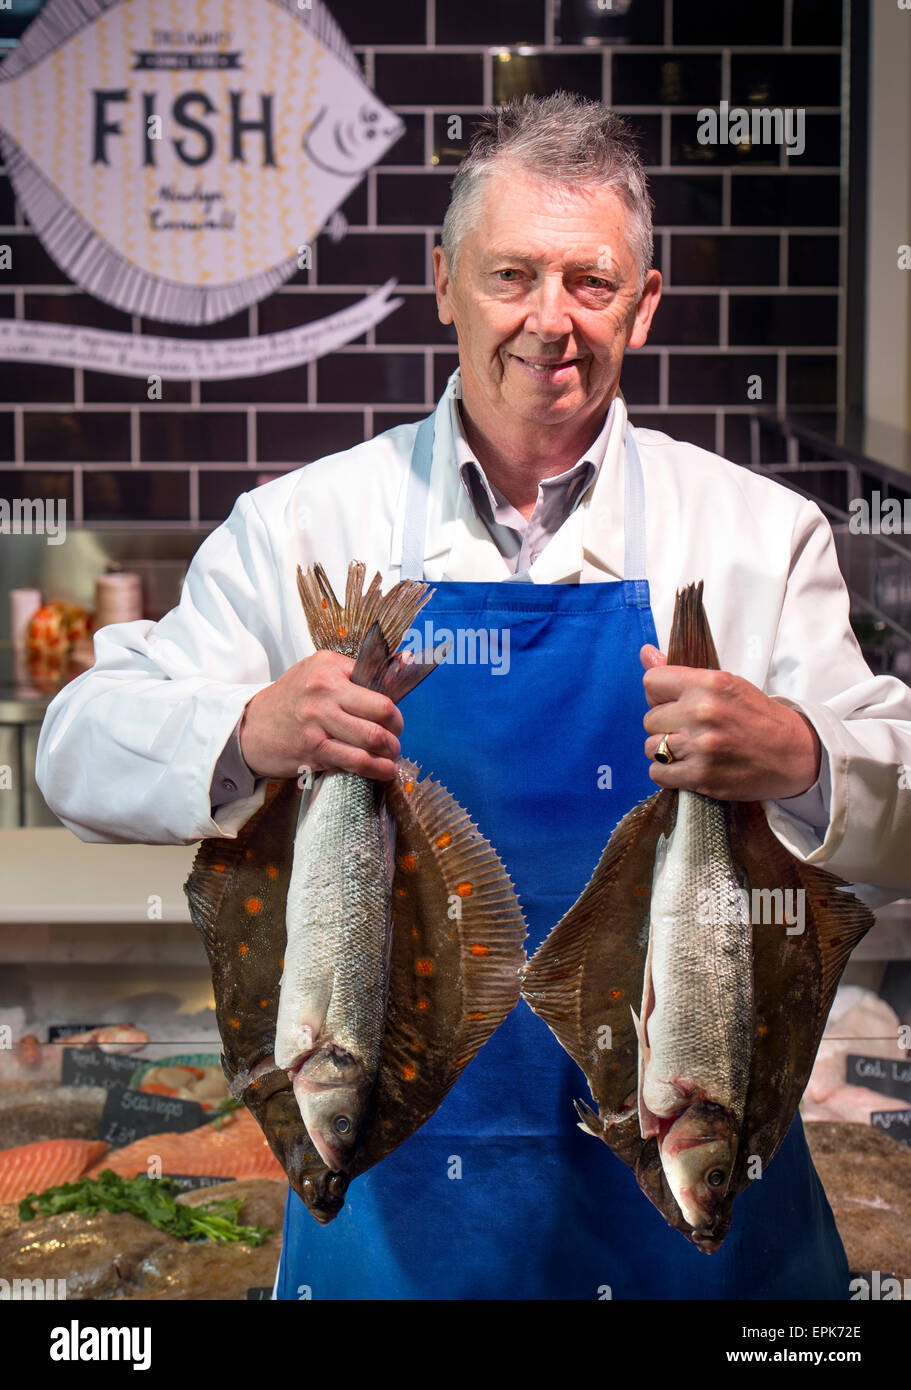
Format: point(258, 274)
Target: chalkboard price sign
point(895, 1123)
point(883, 1074)
point(91, 1067)
point(188, 1182)
point(129, 1115)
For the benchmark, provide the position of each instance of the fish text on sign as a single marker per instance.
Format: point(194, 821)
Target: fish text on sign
point(105, 128)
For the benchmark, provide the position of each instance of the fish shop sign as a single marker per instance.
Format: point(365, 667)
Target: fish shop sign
point(184, 173)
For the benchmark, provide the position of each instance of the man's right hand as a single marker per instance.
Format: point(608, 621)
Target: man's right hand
point(314, 716)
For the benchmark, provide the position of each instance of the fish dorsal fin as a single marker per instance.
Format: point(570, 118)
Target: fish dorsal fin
point(458, 934)
point(583, 977)
point(691, 642)
point(343, 627)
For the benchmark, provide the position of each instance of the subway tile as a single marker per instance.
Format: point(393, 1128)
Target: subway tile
point(542, 74)
point(237, 326)
point(784, 320)
point(409, 148)
point(738, 439)
point(420, 199)
point(365, 22)
point(709, 22)
point(816, 22)
point(220, 488)
point(354, 208)
point(285, 309)
point(372, 258)
point(300, 436)
point(719, 378)
point(785, 79)
point(478, 21)
point(639, 378)
point(688, 149)
point(8, 305)
point(192, 436)
point(101, 387)
point(35, 381)
point(384, 420)
point(82, 436)
point(444, 364)
point(7, 201)
point(416, 321)
point(686, 199)
point(647, 132)
point(686, 320)
point(14, 22)
point(289, 385)
point(370, 378)
point(724, 260)
point(690, 429)
point(813, 260)
point(452, 132)
point(429, 79)
point(785, 200)
point(812, 380)
point(581, 22)
point(7, 435)
point(658, 79)
point(822, 141)
point(76, 308)
point(38, 482)
point(135, 495)
point(29, 262)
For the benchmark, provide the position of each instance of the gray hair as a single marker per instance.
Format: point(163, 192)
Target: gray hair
point(561, 139)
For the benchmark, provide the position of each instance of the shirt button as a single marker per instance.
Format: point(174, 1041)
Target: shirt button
point(229, 784)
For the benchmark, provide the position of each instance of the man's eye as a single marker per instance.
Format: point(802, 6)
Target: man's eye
point(594, 282)
point(508, 273)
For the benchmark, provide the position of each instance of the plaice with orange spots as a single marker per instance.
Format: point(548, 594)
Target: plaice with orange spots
point(452, 976)
point(695, 1027)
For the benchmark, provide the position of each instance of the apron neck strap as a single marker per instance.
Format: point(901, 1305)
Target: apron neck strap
point(415, 525)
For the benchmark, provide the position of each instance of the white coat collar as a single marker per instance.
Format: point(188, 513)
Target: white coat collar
point(457, 544)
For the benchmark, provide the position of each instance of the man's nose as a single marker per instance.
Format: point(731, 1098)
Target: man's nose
point(549, 315)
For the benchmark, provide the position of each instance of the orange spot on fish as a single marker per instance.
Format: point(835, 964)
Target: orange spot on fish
point(324, 603)
point(422, 1004)
point(341, 631)
point(478, 950)
point(414, 932)
point(235, 1022)
point(464, 890)
point(253, 1085)
point(641, 890)
point(444, 840)
point(248, 854)
point(762, 1030)
point(253, 905)
point(409, 1071)
point(400, 893)
point(424, 967)
point(272, 871)
point(263, 1003)
point(460, 1061)
point(409, 786)
point(219, 868)
point(409, 863)
point(476, 1017)
point(243, 948)
point(616, 994)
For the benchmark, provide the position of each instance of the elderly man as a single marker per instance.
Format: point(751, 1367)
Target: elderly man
point(527, 471)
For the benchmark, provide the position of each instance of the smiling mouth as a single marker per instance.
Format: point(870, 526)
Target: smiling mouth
point(543, 366)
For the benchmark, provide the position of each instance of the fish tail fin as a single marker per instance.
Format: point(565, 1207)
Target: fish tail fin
point(393, 675)
point(691, 642)
point(343, 628)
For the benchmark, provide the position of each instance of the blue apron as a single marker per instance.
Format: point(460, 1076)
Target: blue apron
point(499, 1195)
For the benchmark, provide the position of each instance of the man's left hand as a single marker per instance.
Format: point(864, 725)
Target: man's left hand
point(728, 739)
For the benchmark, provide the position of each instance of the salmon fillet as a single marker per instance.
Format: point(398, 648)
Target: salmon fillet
point(34, 1167)
point(237, 1150)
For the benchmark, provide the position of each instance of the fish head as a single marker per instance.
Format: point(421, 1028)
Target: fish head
point(697, 1155)
point(350, 141)
point(333, 1093)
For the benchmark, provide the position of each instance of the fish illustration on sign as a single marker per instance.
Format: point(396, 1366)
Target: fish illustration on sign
point(365, 943)
point(679, 956)
point(179, 173)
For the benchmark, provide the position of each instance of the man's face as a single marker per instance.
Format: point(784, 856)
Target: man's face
point(545, 301)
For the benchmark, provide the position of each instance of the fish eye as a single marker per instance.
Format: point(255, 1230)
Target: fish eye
point(341, 1124)
point(715, 1178)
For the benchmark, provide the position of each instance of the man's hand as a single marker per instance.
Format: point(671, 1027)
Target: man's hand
point(314, 716)
point(728, 739)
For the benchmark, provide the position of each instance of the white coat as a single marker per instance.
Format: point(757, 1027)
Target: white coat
point(128, 748)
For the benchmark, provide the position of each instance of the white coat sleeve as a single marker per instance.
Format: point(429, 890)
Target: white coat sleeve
point(127, 750)
point(863, 722)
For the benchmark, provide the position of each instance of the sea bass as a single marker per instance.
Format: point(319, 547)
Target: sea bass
point(685, 918)
point(455, 952)
point(332, 1005)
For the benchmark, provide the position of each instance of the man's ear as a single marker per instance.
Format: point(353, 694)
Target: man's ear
point(442, 281)
point(645, 310)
